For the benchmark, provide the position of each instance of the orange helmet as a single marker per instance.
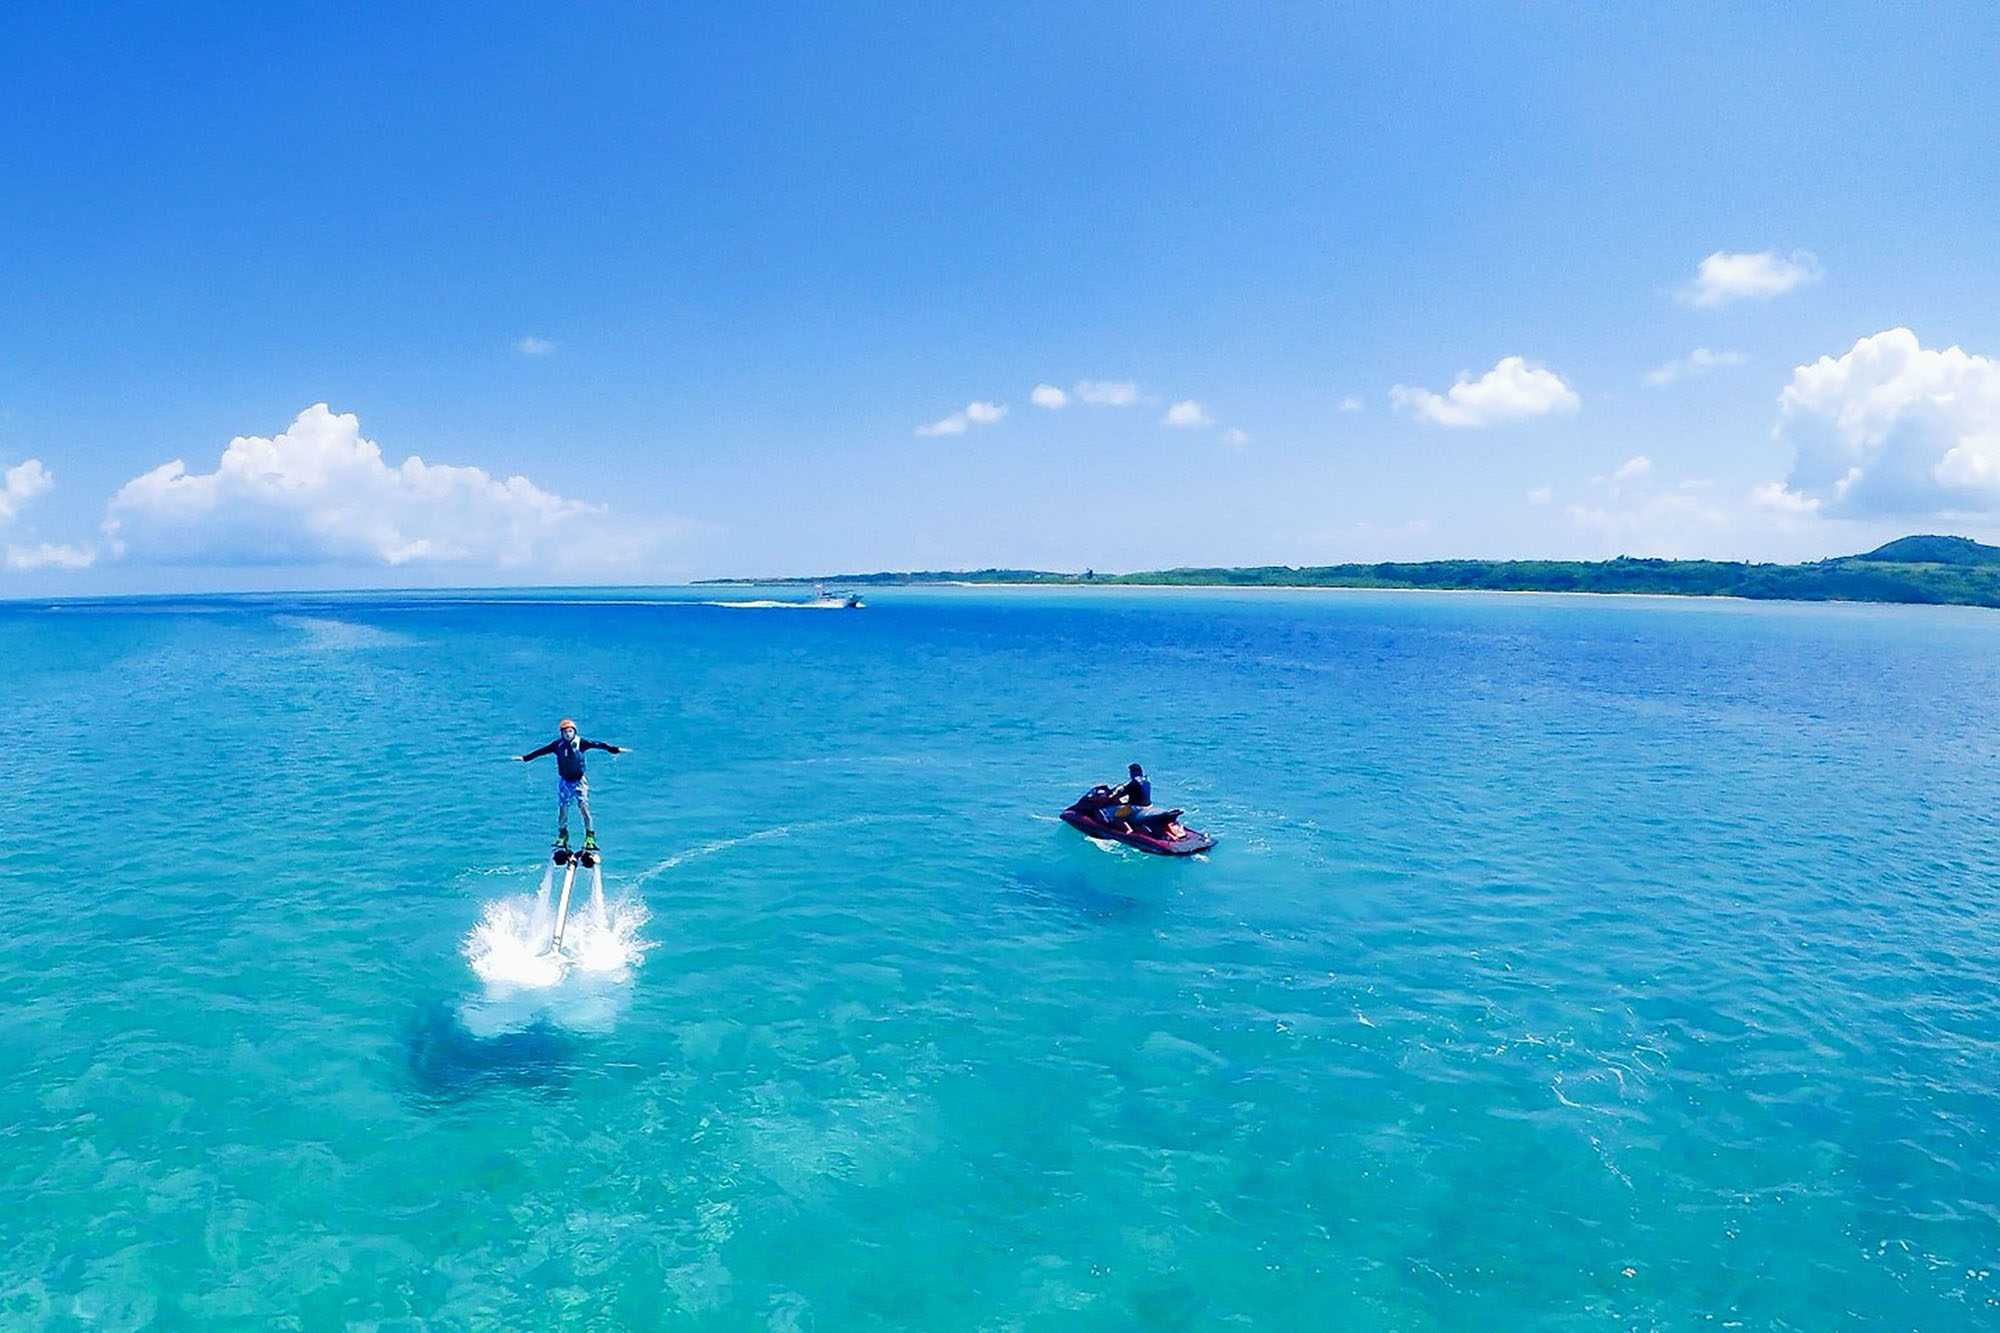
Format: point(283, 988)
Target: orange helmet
point(566, 723)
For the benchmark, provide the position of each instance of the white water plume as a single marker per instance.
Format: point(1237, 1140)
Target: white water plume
point(511, 949)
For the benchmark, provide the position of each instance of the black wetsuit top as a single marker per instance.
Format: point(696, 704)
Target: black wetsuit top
point(569, 755)
point(1136, 792)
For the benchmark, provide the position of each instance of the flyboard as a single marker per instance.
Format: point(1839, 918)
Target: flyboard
point(569, 861)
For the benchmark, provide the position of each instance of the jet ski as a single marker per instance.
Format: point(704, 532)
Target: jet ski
point(1157, 831)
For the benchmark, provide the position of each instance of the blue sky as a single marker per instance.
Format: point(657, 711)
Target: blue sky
point(699, 276)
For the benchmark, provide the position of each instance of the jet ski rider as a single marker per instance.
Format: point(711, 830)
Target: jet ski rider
point(1128, 800)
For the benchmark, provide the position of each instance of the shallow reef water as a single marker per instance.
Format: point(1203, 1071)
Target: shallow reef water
point(1563, 962)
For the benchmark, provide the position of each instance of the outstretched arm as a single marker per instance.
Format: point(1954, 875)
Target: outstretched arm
point(600, 745)
point(550, 748)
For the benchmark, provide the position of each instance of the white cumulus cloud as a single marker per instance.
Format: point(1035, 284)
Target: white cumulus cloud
point(1724, 277)
point(1627, 475)
point(1634, 513)
point(972, 414)
point(1773, 495)
point(20, 484)
point(50, 555)
point(1049, 396)
point(1892, 428)
point(1514, 389)
point(321, 494)
point(1108, 393)
point(1235, 437)
point(533, 346)
point(1350, 404)
point(1672, 524)
point(1694, 363)
point(1187, 415)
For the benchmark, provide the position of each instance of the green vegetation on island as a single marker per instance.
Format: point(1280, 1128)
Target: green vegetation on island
point(1926, 569)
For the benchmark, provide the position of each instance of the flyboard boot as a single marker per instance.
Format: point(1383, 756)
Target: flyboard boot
point(589, 853)
point(559, 850)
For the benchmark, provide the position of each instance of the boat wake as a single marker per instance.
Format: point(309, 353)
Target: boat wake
point(781, 606)
point(526, 980)
point(710, 849)
point(721, 845)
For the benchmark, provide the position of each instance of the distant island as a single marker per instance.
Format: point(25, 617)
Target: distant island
point(1928, 569)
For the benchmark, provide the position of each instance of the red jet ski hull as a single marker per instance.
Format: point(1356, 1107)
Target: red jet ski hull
point(1187, 844)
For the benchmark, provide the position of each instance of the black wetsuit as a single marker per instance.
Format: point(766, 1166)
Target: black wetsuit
point(569, 755)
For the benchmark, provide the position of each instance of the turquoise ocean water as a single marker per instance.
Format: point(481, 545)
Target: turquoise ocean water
point(1564, 963)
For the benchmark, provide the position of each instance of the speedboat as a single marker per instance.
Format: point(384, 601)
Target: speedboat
point(1157, 831)
point(850, 601)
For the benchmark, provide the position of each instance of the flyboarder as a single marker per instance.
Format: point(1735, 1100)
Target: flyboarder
point(571, 785)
